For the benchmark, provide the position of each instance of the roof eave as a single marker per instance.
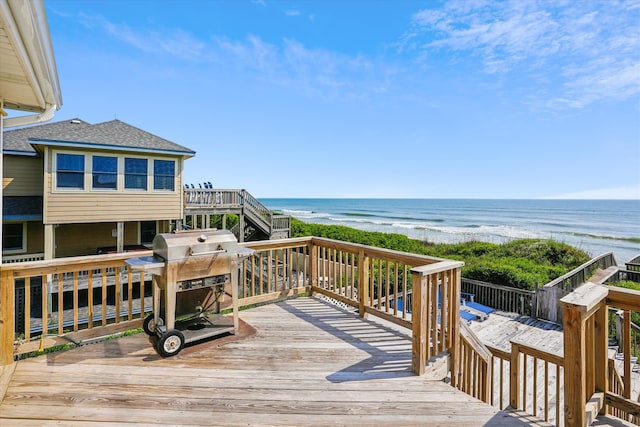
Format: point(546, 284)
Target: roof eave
point(37, 143)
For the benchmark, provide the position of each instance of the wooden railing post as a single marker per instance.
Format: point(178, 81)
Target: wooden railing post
point(7, 316)
point(454, 328)
point(313, 265)
point(601, 356)
point(363, 283)
point(419, 323)
point(514, 378)
point(577, 307)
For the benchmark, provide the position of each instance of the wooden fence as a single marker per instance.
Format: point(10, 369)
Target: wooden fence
point(548, 297)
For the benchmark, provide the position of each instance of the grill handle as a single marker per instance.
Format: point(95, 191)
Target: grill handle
point(217, 251)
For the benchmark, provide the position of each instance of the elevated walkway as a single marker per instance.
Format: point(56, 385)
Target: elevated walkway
point(256, 221)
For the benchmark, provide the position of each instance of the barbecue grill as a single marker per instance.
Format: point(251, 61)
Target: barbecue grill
point(193, 273)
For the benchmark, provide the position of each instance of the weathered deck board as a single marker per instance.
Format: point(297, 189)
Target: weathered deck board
point(302, 362)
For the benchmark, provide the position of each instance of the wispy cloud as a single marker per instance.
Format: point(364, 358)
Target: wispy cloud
point(174, 42)
point(292, 12)
point(582, 52)
point(315, 71)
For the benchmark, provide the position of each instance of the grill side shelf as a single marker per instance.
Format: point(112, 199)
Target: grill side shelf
point(150, 264)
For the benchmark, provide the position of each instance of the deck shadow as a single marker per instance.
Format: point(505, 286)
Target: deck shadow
point(389, 349)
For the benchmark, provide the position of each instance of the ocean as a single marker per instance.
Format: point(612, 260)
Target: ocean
point(595, 226)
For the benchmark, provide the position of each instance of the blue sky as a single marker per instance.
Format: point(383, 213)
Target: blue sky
point(416, 99)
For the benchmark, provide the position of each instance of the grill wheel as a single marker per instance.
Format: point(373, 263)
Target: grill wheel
point(170, 343)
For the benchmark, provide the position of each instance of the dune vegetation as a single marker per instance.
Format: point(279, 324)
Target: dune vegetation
point(523, 263)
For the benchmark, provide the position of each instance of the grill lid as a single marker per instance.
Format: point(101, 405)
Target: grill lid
point(178, 246)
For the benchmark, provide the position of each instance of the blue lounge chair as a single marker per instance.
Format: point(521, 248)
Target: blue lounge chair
point(465, 315)
point(479, 307)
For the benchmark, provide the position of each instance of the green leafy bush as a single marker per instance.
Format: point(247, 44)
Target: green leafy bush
point(524, 263)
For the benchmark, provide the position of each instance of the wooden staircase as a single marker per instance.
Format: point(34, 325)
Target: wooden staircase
point(256, 221)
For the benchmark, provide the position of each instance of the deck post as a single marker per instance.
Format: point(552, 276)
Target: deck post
point(575, 379)
point(601, 336)
point(418, 323)
point(313, 265)
point(514, 379)
point(583, 305)
point(7, 316)
point(454, 329)
point(363, 283)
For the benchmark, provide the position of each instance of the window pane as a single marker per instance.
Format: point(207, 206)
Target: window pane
point(70, 180)
point(105, 164)
point(70, 171)
point(135, 181)
point(70, 162)
point(105, 180)
point(136, 166)
point(163, 174)
point(163, 167)
point(12, 237)
point(135, 173)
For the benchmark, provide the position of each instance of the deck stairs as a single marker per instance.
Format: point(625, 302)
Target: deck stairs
point(257, 222)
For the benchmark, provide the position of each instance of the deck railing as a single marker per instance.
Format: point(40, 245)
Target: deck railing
point(505, 298)
point(203, 199)
point(548, 296)
point(590, 386)
point(60, 304)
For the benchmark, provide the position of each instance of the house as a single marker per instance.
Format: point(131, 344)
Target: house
point(72, 188)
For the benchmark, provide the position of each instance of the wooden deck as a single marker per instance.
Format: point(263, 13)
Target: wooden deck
point(301, 362)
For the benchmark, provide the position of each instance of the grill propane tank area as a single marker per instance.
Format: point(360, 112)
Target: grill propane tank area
point(193, 273)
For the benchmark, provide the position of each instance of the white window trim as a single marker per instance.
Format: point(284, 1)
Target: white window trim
point(123, 174)
point(88, 174)
point(175, 176)
point(23, 249)
point(54, 173)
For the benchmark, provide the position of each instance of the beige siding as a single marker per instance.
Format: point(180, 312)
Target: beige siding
point(71, 239)
point(23, 176)
point(67, 207)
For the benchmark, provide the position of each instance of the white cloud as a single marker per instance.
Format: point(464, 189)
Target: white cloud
point(318, 72)
point(292, 12)
point(175, 42)
point(584, 52)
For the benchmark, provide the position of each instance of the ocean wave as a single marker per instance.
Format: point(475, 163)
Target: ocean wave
point(503, 231)
point(468, 231)
point(357, 214)
point(603, 237)
point(305, 214)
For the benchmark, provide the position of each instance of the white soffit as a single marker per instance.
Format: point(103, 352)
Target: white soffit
point(28, 74)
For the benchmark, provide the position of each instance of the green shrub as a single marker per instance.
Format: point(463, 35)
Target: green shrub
point(524, 263)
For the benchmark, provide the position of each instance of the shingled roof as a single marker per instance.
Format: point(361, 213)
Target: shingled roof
point(113, 134)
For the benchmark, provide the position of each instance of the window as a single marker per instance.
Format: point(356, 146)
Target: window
point(70, 171)
point(135, 173)
point(105, 172)
point(164, 174)
point(147, 232)
point(13, 237)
